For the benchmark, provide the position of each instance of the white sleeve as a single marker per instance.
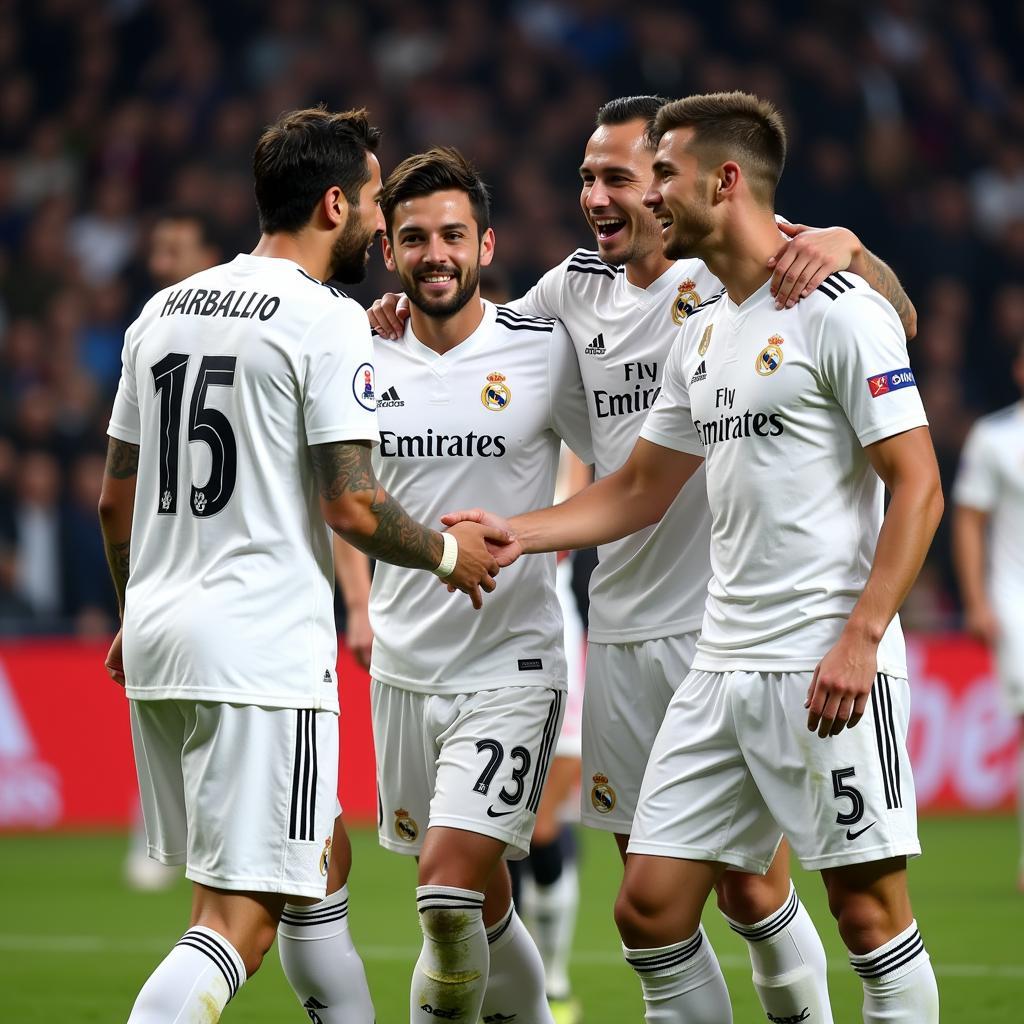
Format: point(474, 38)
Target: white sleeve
point(545, 297)
point(977, 479)
point(863, 360)
point(339, 402)
point(125, 423)
point(567, 397)
point(670, 422)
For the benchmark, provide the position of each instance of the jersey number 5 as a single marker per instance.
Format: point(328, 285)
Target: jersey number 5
point(208, 425)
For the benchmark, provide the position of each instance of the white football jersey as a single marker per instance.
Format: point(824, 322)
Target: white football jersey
point(479, 426)
point(782, 404)
point(654, 582)
point(991, 478)
point(226, 379)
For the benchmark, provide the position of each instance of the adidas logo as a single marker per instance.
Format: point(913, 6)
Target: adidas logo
point(311, 1005)
point(699, 374)
point(596, 347)
point(389, 400)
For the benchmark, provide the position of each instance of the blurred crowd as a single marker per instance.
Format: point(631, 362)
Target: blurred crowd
point(119, 118)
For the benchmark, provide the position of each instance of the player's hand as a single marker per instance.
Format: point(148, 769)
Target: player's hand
point(115, 661)
point(982, 624)
point(476, 566)
point(807, 259)
point(841, 686)
point(505, 552)
point(388, 314)
point(359, 634)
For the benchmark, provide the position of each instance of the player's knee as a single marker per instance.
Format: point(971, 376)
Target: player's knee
point(446, 926)
point(636, 915)
point(865, 922)
point(750, 898)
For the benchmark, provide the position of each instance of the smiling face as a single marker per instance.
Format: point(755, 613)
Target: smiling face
point(616, 171)
point(437, 250)
point(351, 250)
point(679, 197)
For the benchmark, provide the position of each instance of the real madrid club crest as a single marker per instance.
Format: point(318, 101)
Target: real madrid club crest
point(685, 302)
point(325, 857)
point(602, 796)
point(769, 359)
point(496, 393)
point(705, 339)
point(405, 827)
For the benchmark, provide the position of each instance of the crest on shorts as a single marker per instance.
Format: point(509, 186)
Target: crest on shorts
point(685, 302)
point(325, 857)
point(602, 796)
point(405, 827)
point(496, 393)
point(769, 359)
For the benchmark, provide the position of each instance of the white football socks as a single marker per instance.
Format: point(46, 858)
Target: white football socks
point(450, 976)
point(682, 983)
point(790, 969)
point(899, 983)
point(515, 983)
point(321, 963)
point(193, 982)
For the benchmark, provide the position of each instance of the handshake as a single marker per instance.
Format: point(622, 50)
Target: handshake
point(485, 543)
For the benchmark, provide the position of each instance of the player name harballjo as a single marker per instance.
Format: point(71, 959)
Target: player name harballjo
point(209, 302)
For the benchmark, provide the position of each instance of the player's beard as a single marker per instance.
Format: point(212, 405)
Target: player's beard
point(690, 227)
point(466, 282)
point(351, 252)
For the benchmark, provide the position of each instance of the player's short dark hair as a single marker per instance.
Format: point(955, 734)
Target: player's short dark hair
point(301, 156)
point(625, 109)
point(731, 126)
point(440, 169)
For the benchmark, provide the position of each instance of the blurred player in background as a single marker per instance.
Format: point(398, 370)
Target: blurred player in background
point(466, 709)
point(988, 544)
point(244, 419)
point(181, 243)
point(623, 305)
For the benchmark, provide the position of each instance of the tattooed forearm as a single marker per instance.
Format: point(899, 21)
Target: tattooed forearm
point(380, 527)
point(118, 557)
point(122, 459)
point(880, 276)
point(342, 466)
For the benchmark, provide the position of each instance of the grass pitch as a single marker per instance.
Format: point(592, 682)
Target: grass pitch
point(75, 946)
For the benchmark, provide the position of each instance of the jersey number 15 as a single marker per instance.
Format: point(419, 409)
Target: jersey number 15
point(208, 425)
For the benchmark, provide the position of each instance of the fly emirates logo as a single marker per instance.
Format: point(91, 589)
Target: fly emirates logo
point(642, 388)
point(729, 424)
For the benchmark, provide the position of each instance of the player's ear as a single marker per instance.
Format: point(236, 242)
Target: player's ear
point(728, 177)
point(487, 248)
point(389, 256)
point(334, 207)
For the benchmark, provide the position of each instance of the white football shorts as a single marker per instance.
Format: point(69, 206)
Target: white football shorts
point(244, 796)
point(1009, 658)
point(570, 739)
point(472, 761)
point(735, 766)
point(628, 690)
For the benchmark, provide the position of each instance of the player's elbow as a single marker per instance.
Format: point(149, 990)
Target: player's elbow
point(351, 517)
point(910, 322)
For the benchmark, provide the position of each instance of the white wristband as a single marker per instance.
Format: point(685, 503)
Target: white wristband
point(449, 557)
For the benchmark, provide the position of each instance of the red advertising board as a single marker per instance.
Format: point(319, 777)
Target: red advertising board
point(65, 748)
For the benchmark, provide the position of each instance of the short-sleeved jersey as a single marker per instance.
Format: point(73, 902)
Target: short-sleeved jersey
point(226, 380)
point(782, 404)
point(991, 479)
point(479, 425)
point(654, 582)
